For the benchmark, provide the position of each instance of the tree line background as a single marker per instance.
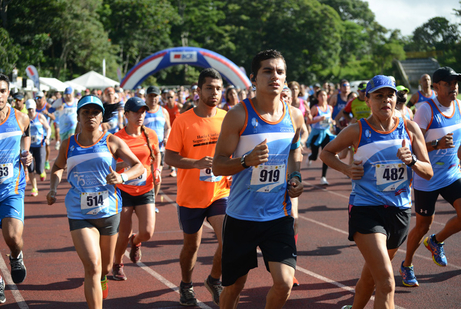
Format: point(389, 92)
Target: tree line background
point(320, 39)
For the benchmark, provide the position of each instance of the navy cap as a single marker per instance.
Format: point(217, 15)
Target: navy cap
point(90, 99)
point(18, 96)
point(153, 89)
point(445, 74)
point(362, 86)
point(134, 104)
point(379, 82)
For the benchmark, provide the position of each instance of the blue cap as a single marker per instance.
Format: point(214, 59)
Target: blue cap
point(378, 82)
point(134, 104)
point(68, 90)
point(90, 99)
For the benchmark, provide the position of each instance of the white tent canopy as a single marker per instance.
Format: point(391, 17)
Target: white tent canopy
point(75, 86)
point(93, 79)
point(53, 83)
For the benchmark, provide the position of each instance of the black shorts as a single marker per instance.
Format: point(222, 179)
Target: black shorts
point(38, 163)
point(106, 226)
point(390, 221)
point(241, 238)
point(425, 200)
point(191, 219)
point(162, 157)
point(129, 200)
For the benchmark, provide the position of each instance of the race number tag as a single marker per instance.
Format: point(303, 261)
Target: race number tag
point(6, 172)
point(34, 139)
point(207, 175)
point(92, 203)
point(140, 181)
point(390, 177)
point(267, 178)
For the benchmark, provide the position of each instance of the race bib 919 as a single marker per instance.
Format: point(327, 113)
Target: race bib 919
point(267, 178)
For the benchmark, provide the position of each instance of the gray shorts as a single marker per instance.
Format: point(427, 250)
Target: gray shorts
point(106, 226)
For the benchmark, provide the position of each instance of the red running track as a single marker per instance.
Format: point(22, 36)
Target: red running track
point(328, 264)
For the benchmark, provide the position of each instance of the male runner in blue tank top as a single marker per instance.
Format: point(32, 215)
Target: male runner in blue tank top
point(13, 124)
point(259, 145)
point(440, 122)
point(423, 95)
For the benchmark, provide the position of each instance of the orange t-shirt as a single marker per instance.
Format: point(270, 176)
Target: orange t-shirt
point(173, 112)
point(138, 146)
point(195, 137)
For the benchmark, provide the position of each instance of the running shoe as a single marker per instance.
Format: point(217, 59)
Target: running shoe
point(173, 172)
point(187, 296)
point(438, 254)
point(408, 276)
point(105, 288)
point(295, 282)
point(214, 289)
point(2, 291)
point(43, 176)
point(135, 253)
point(308, 162)
point(346, 307)
point(323, 181)
point(18, 269)
point(58, 144)
point(156, 210)
point(118, 273)
point(47, 165)
point(34, 192)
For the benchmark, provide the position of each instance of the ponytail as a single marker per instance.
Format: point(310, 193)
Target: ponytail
point(149, 144)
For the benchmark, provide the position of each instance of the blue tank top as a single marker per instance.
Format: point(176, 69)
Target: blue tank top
point(259, 193)
point(422, 98)
point(386, 179)
point(156, 121)
point(37, 132)
point(340, 104)
point(324, 124)
point(41, 110)
point(90, 197)
point(68, 117)
point(445, 162)
point(12, 179)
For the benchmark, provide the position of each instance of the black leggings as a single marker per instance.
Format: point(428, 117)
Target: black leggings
point(315, 152)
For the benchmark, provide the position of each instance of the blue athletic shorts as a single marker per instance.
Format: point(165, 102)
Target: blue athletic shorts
point(12, 207)
point(191, 219)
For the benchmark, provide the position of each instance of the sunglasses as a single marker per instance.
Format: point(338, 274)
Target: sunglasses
point(169, 97)
point(345, 85)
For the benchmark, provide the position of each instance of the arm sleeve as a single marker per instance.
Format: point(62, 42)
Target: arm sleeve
point(423, 116)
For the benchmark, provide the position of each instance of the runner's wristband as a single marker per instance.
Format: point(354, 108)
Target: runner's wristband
point(124, 177)
point(297, 175)
point(242, 161)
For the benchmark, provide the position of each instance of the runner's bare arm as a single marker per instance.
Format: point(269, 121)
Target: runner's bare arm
point(228, 140)
point(348, 137)
point(423, 166)
point(167, 124)
point(56, 172)
point(173, 158)
point(121, 150)
point(295, 158)
point(46, 125)
point(413, 99)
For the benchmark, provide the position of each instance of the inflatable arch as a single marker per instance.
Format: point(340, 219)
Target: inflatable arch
point(185, 55)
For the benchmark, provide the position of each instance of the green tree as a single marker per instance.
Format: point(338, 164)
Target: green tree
point(8, 52)
point(437, 33)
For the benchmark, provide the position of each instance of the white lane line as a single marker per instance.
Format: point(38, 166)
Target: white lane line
point(12, 286)
point(163, 280)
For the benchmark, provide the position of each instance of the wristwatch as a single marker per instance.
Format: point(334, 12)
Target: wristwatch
point(242, 161)
point(124, 177)
point(413, 161)
point(435, 143)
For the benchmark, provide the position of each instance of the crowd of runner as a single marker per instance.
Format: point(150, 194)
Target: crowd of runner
point(237, 155)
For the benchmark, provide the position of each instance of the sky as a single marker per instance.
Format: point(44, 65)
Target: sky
point(407, 15)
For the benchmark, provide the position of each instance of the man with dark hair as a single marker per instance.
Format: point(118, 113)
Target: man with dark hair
point(13, 126)
point(439, 120)
point(259, 146)
point(339, 100)
point(200, 195)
